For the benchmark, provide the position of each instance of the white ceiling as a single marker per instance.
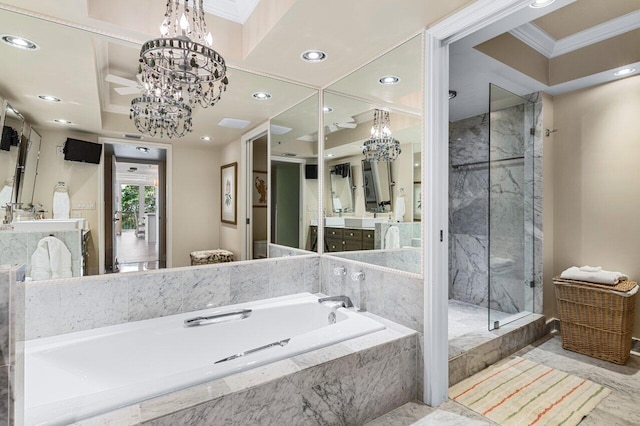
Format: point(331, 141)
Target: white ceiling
point(471, 71)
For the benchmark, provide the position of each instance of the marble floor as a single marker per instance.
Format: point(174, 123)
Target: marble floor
point(620, 408)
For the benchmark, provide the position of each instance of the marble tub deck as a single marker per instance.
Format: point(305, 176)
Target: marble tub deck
point(620, 408)
point(351, 382)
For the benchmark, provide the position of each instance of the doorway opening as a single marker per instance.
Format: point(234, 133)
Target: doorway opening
point(286, 200)
point(256, 156)
point(135, 208)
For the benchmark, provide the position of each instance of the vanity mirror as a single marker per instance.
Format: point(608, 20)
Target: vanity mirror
point(341, 186)
point(12, 126)
point(384, 191)
point(30, 169)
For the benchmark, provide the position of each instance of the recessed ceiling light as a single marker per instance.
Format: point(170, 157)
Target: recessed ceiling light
point(62, 121)
point(416, 165)
point(625, 71)
point(49, 98)
point(261, 96)
point(313, 55)
point(327, 109)
point(541, 3)
point(452, 94)
point(206, 138)
point(329, 155)
point(389, 79)
point(142, 149)
point(19, 42)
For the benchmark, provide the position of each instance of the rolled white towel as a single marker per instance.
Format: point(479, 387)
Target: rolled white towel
point(599, 277)
point(588, 268)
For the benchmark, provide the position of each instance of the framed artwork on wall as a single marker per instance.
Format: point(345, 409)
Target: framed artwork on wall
point(229, 200)
point(417, 202)
point(260, 186)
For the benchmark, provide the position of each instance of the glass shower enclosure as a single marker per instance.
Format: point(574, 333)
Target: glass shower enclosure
point(510, 211)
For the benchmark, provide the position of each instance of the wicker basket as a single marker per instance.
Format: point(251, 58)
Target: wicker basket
point(595, 321)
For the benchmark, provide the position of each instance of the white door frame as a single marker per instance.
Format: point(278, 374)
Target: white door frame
point(435, 178)
point(168, 212)
point(245, 210)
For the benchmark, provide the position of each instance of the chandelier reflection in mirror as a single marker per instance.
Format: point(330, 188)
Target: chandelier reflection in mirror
point(381, 146)
point(180, 66)
point(157, 116)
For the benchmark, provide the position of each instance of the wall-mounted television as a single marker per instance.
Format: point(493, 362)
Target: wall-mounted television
point(311, 171)
point(85, 152)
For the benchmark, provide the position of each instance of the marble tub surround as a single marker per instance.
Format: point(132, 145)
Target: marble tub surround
point(75, 304)
point(17, 247)
point(276, 250)
point(406, 259)
point(395, 295)
point(348, 383)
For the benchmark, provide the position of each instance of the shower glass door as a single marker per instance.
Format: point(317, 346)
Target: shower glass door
point(510, 262)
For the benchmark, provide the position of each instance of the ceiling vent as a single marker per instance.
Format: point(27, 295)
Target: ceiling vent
point(130, 136)
point(233, 123)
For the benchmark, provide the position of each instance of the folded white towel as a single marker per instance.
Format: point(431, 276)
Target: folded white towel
point(50, 260)
point(599, 277)
point(392, 238)
point(588, 268)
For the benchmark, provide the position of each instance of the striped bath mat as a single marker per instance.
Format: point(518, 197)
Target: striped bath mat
point(521, 392)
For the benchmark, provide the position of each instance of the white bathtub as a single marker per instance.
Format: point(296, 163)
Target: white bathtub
point(79, 375)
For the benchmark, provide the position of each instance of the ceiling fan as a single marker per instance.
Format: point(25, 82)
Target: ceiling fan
point(349, 123)
point(130, 87)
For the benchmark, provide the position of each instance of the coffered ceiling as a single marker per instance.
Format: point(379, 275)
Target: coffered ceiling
point(569, 45)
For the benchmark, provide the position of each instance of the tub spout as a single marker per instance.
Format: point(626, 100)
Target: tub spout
point(346, 301)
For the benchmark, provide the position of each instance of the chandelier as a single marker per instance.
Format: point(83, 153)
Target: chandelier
point(161, 116)
point(381, 146)
point(179, 71)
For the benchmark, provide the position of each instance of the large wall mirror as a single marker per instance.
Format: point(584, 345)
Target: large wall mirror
point(294, 176)
point(381, 223)
point(96, 100)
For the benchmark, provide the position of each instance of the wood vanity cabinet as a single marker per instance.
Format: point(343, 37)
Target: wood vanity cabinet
point(346, 239)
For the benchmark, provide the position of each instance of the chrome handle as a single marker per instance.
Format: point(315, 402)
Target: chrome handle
point(192, 322)
point(250, 351)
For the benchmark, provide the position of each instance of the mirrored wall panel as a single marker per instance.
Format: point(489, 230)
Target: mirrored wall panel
point(161, 194)
point(293, 160)
point(372, 154)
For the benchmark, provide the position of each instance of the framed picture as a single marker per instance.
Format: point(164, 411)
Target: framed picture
point(229, 200)
point(417, 202)
point(259, 184)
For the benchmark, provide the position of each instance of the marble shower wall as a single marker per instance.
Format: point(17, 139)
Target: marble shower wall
point(512, 208)
point(75, 304)
point(276, 250)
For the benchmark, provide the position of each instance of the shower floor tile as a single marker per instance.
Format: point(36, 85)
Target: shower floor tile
point(465, 318)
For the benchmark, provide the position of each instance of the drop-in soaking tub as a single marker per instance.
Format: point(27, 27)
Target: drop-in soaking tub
point(79, 375)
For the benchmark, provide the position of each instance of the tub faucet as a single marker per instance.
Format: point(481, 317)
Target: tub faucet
point(345, 300)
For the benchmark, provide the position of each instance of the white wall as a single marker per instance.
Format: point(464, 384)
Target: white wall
point(596, 194)
point(195, 202)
